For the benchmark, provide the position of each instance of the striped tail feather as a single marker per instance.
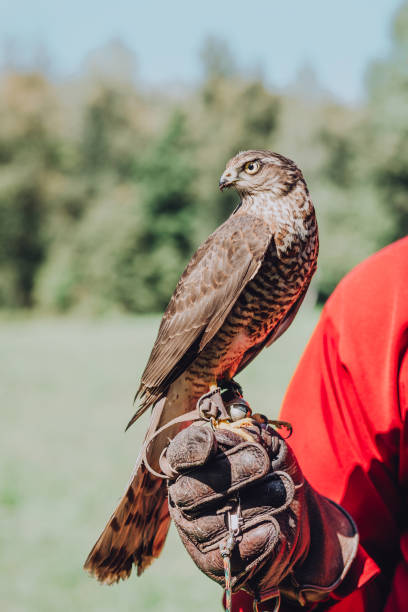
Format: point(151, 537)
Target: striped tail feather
point(135, 533)
point(137, 530)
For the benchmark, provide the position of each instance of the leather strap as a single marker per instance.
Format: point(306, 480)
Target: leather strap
point(193, 415)
point(209, 406)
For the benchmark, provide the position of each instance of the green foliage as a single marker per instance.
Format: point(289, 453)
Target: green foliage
point(106, 190)
point(165, 239)
point(27, 150)
point(388, 122)
point(166, 175)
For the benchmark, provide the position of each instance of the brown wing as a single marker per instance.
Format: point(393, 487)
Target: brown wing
point(205, 293)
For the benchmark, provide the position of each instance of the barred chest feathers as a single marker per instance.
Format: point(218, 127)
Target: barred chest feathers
point(283, 277)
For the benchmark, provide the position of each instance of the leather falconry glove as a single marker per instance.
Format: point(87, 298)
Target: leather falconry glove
point(249, 496)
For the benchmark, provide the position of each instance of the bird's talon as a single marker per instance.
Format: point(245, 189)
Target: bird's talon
point(231, 385)
point(282, 425)
point(238, 427)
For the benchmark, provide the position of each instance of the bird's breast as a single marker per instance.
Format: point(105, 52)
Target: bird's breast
point(263, 304)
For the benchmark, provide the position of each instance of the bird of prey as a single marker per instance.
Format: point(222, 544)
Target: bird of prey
point(238, 294)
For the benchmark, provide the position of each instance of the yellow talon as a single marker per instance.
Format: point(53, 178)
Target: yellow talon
point(237, 427)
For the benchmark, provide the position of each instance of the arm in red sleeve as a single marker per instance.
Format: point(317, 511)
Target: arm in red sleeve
point(344, 405)
point(347, 403)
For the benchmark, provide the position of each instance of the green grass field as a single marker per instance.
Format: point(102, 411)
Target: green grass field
point(66, 395)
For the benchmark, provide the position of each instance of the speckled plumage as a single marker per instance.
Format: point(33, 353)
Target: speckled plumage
point(239, 292)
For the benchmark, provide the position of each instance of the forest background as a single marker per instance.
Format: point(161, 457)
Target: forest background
point(107, 186)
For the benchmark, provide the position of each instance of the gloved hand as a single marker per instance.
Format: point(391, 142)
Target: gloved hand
point(284, 533)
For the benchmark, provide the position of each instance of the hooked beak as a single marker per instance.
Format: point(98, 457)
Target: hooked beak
point(226, 180)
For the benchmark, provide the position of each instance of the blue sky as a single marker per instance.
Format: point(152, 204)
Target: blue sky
point(338, 39)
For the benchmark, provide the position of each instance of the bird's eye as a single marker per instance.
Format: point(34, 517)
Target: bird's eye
point(252, 167)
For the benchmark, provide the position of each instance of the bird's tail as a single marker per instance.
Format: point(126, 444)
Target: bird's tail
point(136, 531)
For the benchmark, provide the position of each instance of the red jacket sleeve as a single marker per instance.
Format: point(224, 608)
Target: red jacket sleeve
point(347, 407)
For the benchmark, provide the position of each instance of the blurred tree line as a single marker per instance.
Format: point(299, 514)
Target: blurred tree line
point(106, 189)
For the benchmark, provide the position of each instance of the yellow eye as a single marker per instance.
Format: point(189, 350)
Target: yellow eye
point(252, 167)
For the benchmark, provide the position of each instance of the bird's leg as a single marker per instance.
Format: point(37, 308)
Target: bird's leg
point(229, 384)
point(261, 418)
point(233, 388)
point(238, 410)
point(211, 407)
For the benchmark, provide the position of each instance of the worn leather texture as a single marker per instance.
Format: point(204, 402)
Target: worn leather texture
point(284, 525)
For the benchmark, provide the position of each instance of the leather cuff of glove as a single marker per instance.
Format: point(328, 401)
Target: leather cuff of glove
point(332, 549)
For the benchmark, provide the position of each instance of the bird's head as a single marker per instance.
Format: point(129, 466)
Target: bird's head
point(252, 172)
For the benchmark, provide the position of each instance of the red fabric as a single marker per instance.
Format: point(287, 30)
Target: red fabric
point(347, 403)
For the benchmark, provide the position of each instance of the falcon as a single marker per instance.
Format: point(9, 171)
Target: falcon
point(239, 293)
